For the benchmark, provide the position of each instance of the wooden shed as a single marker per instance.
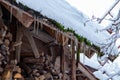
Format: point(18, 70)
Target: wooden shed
point(33, 48)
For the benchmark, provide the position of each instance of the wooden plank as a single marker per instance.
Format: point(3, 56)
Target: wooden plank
point(18, 39)
point(32, 43)
point(27, 54)
point(86, 72)
point(73, 76)
point(63, 63)
point(34, 60)
point(42, 36)
point(22, 16)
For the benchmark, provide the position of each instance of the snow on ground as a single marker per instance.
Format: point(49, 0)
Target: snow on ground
point(85, 60)
point(109, 70)
point(67, 15)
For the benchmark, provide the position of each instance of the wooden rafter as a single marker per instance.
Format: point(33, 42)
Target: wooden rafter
point(22, 16)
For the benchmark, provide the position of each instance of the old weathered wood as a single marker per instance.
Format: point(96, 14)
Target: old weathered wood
point(42, 36)
point(26, 54)
point(32, 43)
point(63, 63)
point(73, 76)
point(18, 39)
point(90, 52)
point(34, 60)
point(22, 16)
point(84, 70)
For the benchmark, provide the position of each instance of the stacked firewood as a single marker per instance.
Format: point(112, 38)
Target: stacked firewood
point(42, 68)
point(8, 68)
point(5, 39)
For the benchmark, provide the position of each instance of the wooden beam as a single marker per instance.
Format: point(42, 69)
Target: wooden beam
point(84, 70)
point(18, 39)
point(63, 63)
point(27, 54)
point(32, 43)
point(34, 60)
point(42, 36)
point(22, 16)
point(73, 76)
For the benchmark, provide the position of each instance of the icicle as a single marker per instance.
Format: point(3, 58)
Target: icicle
point(11, 11)
point(56, 35)
point(71, 45)
point(83, 58)
point(84, 52)
point(34, 24)
point(19, 14)
point(63, 39)
point(76, 43)
point(41, 24)
point(82, 46)
point(37, 25)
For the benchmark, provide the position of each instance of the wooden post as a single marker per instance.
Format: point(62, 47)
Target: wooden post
point(63, 62)
point(85, 71)
point(73, 62)
point(18, 39)
point(78, 54)
point(32, 43)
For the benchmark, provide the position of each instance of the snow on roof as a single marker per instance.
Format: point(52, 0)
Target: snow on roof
point(68, 16)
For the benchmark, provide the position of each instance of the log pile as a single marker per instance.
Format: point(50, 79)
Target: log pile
point(42, 68)
point(8, 68)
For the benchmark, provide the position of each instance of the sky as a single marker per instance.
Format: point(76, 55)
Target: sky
point(95, 7)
